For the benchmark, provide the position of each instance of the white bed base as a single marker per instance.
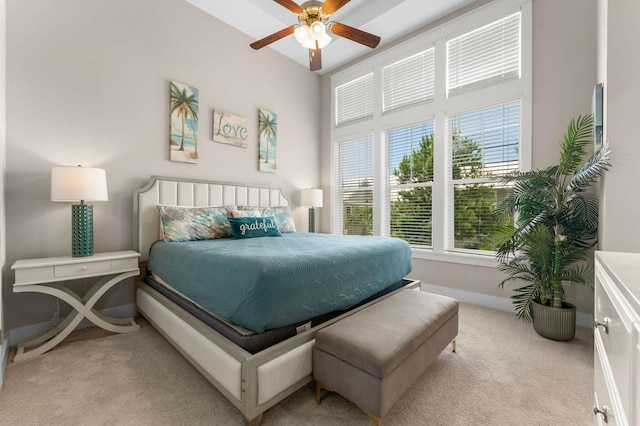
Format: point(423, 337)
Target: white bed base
point(253, 383)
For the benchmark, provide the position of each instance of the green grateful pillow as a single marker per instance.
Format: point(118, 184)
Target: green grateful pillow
point(252, 227)
point(282, 214)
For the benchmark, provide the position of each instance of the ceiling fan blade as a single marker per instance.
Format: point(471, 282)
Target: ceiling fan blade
point(273, 37)
point(330, 6)
point(315, 59)
point(294, 7)
point(354, 34)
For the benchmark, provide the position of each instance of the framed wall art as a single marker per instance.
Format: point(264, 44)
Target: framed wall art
point(183, 135)
point(598, 114)
point(268, 137)
point(230, 129)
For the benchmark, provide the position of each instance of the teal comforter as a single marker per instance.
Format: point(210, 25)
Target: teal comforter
point(271, 282)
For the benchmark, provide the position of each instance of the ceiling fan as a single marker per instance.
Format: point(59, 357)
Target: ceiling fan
point(312, 31)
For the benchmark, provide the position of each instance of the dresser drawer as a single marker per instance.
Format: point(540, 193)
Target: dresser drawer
point(603, 400)
point(616, 337)
point(88, 268)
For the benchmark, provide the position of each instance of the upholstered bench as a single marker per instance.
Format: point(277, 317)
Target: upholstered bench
point(373, 356)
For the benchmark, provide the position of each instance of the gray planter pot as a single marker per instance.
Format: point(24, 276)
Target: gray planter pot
point(555, 323)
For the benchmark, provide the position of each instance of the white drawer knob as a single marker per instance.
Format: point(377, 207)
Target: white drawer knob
point(604, 324)
point(84, 268)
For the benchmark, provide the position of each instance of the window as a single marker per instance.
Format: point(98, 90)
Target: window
point(411, 183)
point(354, 100)
point(483, 146)
point(445, 115)
point(487, 55)
point(354, 158)
point(408, 81)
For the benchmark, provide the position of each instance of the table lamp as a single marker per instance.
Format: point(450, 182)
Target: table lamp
point(311, 198)
point(79, 184)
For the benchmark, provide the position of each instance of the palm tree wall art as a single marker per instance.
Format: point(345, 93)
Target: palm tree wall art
point(183, 139)
point(268, 135)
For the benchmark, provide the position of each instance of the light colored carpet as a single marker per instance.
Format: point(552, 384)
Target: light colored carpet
point(503, 374)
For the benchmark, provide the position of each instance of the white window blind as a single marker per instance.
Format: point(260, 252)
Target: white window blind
point(354, 192)
point(484, 56)
point(408, 81)
point(483, 146)
point(354, 100)
point(410, 189)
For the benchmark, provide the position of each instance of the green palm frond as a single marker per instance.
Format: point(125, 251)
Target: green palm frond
point(519, 235)
point(523, 300)
point(576, 139)
point(591, 170)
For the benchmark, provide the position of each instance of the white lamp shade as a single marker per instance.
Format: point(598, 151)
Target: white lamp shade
point(304, 36)
point(311, 197)
point(72, 184)
point(317, 30)
point(301, 34)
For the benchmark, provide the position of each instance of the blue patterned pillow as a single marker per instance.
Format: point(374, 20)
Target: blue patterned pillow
point(194, 223)
point(252, 227)
point(282, 214)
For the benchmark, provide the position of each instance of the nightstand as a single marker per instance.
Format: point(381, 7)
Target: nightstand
point(46, 276)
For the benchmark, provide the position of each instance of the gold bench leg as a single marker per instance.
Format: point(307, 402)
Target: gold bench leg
point(453, 346)
point(319, 387)
point(377, 421)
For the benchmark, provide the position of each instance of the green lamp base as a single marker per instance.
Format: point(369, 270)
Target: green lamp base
point(312, 219)
point(82, 230)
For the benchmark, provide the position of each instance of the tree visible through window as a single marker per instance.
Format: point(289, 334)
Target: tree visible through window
point(410, 209)
point(411, 183)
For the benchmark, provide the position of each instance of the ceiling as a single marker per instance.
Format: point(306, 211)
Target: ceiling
point(389, 19)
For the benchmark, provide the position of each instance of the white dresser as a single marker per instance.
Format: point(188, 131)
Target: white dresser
point(617, 339)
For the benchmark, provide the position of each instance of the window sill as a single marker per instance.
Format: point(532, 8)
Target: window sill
point(455, 257)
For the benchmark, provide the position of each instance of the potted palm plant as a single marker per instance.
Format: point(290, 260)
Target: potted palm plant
point(554, 233)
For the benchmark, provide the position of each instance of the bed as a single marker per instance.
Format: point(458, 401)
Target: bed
point(257, 376)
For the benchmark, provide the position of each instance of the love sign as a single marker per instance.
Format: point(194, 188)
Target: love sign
point(230, 128)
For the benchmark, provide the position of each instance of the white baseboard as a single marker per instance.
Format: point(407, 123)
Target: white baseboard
point(4, 355)
point(23, 334)
point(494, 302)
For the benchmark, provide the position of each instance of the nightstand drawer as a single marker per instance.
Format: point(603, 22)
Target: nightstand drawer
point(88, 268)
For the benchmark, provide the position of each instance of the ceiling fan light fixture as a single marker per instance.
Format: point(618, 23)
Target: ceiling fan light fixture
point(317, 30)
point(324, 41)
point(302, 34)
point(311, 43)
point(308, 39)
point(313, 29)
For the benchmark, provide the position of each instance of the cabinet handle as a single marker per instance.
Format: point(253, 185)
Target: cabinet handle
point(604, 323)
point(597, 411)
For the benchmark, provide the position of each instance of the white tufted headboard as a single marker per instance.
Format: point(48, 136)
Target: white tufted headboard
point(190, 193)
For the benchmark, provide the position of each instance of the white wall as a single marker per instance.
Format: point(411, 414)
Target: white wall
point(3, 165)
point(564, 73)
point(619, 68)
point(88, 83)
